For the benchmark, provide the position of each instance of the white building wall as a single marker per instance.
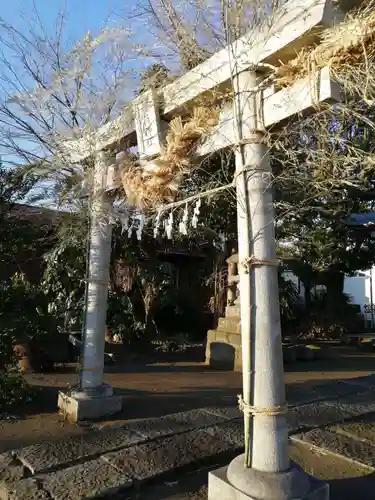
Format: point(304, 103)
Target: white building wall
point(357, 287)
point(361, 289)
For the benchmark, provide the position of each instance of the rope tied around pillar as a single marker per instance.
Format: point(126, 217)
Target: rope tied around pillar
point(249, 262)
point(97, 281)
point(250, 168)
point(251, 410)
point(258, 137)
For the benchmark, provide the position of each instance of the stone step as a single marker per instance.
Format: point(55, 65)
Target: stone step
point(358, 451)
point(233, 312)
point(229, 325)
point(215, 435)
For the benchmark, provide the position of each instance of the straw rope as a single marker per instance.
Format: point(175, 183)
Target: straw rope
point(341, 47)
point(251, 410)
point(157, 181)
point(252, 261)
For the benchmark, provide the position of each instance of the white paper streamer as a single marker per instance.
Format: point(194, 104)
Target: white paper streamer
point(184, 222)
point(169, 226)
point(141, 223)
point(194, 220)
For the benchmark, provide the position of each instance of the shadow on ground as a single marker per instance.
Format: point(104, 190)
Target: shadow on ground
point(142, 403)
point(348, 488)
point(337, 358)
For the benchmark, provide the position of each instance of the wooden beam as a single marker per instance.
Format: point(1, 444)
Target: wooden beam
point(299, 99)
point(117, 133)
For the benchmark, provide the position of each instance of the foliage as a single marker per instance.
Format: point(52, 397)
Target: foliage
point(330, 319)
point(218, 213)
point(22, 311)
point(121, 318)
point(23, 318)
point(154, 77)
point(291, 306)
point(64, 276)
point(149, 280)
point(14, 391)
point(20, 240)
point(320, 180)
point(23, 315)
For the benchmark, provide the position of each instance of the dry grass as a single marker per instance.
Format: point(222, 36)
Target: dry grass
point(157, 182)
point(348, 49)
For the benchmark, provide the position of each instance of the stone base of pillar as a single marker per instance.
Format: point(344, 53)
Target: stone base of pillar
point(283, 486)
point(89, 405)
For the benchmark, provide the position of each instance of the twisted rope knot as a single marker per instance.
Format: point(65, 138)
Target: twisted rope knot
point(249, 262)
point(254, 410)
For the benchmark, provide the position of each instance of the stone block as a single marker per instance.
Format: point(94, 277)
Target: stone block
point(88, 409)
point(353, 449)
point(219, 487)
point(235, 339)
point(230, 325)
point(26, 489)
point(176, 423)
point(222, 336)
point(226, 412)
point(165, 455)
point(232, 432)
point(211, 335)
point(367, 381)
point(356, 404)
point(233, 312)
point(238, 362)
point(362, 430)
point(221, 355)
point(315, 415)
point(335, 389)
point(85, 481)
point(50, 455)
point(10, 469)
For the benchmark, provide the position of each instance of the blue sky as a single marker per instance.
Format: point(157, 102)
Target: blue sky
point(82, 15)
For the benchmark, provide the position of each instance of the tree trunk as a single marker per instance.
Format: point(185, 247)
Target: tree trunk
point(307, 293)
point(334, 282)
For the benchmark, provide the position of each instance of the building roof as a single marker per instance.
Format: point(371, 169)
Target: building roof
point(366, 219)
point(37, 215)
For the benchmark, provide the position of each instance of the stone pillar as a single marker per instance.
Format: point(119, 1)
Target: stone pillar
point(268, 474)
point(93, 398)
point(98, 283)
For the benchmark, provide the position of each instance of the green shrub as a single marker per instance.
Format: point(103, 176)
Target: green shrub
point(23, 315)
point(330, 319)
point(14, 391)
point(292, 308)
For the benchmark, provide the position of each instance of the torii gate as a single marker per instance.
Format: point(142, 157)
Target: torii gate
point(298, 23)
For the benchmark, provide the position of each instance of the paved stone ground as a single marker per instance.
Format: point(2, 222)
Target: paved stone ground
point(336, 418)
